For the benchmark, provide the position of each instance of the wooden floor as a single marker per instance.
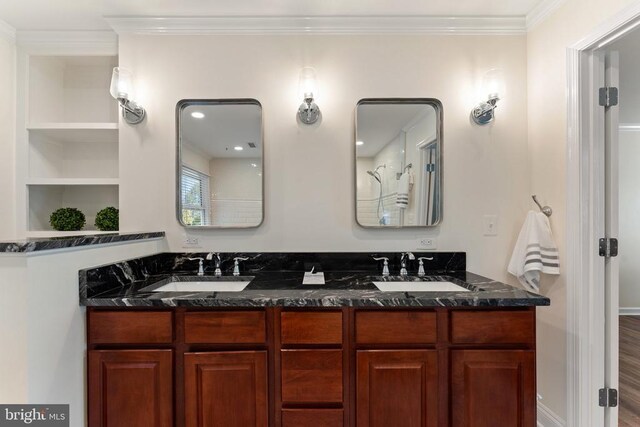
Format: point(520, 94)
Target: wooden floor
point(629, 371)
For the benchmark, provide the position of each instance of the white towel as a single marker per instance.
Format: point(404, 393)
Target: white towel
point(402, 197)
point(535, 252)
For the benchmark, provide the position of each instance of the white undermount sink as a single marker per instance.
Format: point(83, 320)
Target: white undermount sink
point(216, 284)
point(419, 287)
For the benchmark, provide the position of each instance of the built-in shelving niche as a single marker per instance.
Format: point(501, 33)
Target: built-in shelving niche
point(44, 199)
point(73, 139)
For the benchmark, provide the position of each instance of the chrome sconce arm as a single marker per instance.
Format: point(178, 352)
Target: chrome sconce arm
point(308, 112)
point(484, 113)
point(132, 113)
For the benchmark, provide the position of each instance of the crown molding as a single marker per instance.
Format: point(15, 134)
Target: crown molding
point(217, 25)
point(541, 12)
point(7, 31)
point(68, 42)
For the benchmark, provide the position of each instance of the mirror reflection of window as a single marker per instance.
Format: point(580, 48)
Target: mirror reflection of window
point(221, 164)
point(195, 197)
point(398, 169)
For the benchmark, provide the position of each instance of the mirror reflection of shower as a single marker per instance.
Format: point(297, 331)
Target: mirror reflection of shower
point(398, 163)
point(382, 216)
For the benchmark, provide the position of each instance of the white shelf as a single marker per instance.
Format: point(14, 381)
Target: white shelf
point(73, 181)
point(73, 126)
point(75, 132)
point(46, 234)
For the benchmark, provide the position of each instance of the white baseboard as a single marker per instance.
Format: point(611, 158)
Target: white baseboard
point(629, 311)
point(547, 418)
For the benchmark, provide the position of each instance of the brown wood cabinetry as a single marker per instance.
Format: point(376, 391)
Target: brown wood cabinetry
point(312, 418)
point(226, 389)
point(130, 387)
point(397, 388)
point(236, 327)
point(493, 388)
point(312, 376)
point(423, 367)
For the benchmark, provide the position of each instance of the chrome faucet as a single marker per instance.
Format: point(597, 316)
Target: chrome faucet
point(421, 272)
point(210, 256)
point(200, 265)
point(403, 262)
point(385, 265)
point(236, 264)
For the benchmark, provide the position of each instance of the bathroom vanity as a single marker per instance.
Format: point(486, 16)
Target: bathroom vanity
point(279, 353)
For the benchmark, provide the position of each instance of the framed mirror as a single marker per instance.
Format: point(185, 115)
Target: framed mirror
point(398, 162)
point(220, 163)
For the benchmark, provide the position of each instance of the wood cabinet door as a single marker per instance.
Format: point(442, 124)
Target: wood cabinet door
point(130, 388)
point(226, 389)
point(397, 388)
point(493, 388)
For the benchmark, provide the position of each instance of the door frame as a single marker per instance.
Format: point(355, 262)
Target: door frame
point(585, 220)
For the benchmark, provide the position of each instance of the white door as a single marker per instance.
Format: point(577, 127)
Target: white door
point(611, 265)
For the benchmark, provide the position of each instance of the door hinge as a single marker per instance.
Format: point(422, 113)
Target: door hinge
point(608, 397)
point(608, 247)
point(608, 96)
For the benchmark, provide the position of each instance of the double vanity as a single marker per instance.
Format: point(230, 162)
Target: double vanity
point(307, 339)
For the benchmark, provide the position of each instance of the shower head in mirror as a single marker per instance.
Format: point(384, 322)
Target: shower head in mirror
point(375, 175)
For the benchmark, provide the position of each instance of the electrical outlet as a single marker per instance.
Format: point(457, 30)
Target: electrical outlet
point(490, 225)
point(427, 243)
point(190, 242)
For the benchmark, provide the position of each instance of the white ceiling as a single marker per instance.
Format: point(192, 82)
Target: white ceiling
point(380, 124)
point(222, 128)
point(88, 14)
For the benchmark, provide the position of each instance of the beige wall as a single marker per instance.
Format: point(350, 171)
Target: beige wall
point(7, 137)
point(309, 169)
point(546, 58)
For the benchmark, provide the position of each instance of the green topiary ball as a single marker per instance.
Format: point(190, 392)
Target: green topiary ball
point(108, 219)
point(67, 219)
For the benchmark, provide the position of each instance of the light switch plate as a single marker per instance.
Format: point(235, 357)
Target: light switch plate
point(427, 243)
point(490, 225)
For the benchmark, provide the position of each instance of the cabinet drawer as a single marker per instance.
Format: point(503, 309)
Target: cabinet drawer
point(311, 327)
point(492, 327)
point(130, 327)
point(395, 327)
point(230, 327)
point(312, 376)
point(312, 418)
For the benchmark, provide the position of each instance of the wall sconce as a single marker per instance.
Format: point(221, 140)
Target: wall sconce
point(493, 86)
point(121, 89)
point(308, 112)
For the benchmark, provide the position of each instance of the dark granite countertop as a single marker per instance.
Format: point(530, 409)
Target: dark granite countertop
point(51, 243)
point(123, 285)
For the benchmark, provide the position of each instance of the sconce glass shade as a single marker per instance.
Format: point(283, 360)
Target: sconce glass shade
point(494, 88)
point(308, 112)
point(493, 84)
point(121, 83)
point(308, 84)
point(121, 89)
